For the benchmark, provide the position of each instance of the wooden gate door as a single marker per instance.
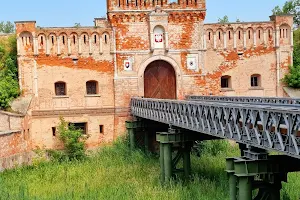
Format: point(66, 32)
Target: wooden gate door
point(160, 81)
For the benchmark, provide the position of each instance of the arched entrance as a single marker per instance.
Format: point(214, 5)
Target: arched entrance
point(160, 80)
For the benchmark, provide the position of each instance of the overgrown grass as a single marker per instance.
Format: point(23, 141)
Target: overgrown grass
point(117, 173)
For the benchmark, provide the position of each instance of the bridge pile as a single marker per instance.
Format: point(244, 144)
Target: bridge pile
point(257, 124)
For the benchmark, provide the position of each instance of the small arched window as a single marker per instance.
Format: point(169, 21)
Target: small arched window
point(249, 34)
point(74, 39)
point(60, 88)
point(226, 82)
point(209, 36)
point(105, 39)
point(52, 39)
point(84, 39)
point(63, 40)
point(239, 35)
point(42, 40)
point(219, 35)
point(229, 35)
point(255, 80)
point(91, 87)
point(95, 39)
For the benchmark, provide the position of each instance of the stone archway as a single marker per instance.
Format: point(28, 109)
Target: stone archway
point(160, 80)
point(172, 62)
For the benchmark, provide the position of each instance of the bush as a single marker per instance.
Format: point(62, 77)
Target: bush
point(73, 140)
point(211, 147)
point(292, 79)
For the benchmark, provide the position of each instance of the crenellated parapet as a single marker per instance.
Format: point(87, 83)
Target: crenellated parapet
point(277, 33)
point(118, 5)
point(69, 41)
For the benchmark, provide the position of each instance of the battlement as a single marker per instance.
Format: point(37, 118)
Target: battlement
point(131, 5)
point(277, 32)
point(34, 40)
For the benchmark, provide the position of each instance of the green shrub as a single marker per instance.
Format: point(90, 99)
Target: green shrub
point(292, 79)
point(73, 140)
point(211, 147)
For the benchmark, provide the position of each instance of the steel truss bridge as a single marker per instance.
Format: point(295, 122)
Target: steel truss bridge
point(258, 125)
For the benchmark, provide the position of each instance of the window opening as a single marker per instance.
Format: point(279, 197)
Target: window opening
point(53, 131)
point(225, 82)
point(255, 81)
point(105, 39)
point(80, 126)
point(60, 89)
point(52, 38)
point(91, 87)
point(63, 38)
point(74, 39)
point(42, 40)
point(95, 39)
point(280, 33)
point(101, 129)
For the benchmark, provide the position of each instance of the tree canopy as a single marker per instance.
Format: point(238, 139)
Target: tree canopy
point(9, 86)
point(7, 27)
point(289, 7)
point(223, 20)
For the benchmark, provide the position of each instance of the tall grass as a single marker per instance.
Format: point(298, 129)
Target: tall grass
point(117, 173)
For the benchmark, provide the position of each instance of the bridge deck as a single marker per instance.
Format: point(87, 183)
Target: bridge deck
point(271, 125)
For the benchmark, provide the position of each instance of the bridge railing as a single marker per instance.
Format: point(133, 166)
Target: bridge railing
point(261, 126)
point(259, 100)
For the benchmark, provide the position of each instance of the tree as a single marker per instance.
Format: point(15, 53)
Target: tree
point(9, 86)
point(223, 20)
point(77, 25)
point(292, 79)
point(290, 7)
point(6, 27)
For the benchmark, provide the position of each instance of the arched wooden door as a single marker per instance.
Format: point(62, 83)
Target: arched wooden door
point(160, 81)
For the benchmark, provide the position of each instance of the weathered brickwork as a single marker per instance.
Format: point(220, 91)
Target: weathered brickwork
point(56, 65)
point(14, 140)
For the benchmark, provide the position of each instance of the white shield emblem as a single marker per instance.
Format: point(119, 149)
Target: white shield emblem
point(127, 65)
point(158, 38)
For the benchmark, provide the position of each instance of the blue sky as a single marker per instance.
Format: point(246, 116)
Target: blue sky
point(69, 12)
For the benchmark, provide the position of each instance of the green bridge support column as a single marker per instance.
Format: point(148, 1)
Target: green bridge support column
point(245, 188)
point(256, 170)
point(232, 186)
point(187, 159)
point(162, 163)
point(131, 127)
point(180, 143)
point(232, 178)
point(146, 141)
point(168, 161)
